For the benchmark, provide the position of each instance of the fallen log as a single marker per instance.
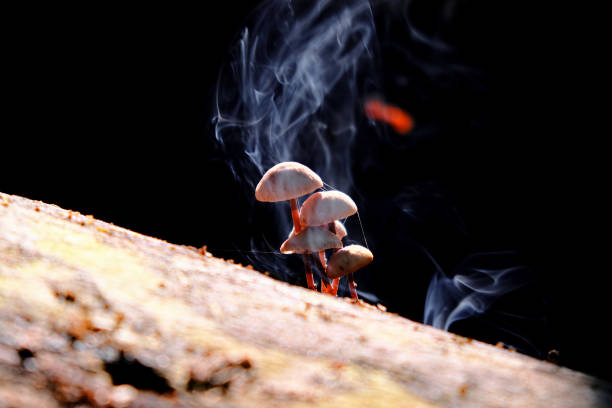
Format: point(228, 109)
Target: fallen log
point(92, 314)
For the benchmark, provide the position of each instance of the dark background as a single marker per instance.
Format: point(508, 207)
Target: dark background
point(108, 112)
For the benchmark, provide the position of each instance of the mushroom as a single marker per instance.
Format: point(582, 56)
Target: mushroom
point(340, 231)
point(346, 261)
point(310, 240)
point(288, 181)
point(325, 208)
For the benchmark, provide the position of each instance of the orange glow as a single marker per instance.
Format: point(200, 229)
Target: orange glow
point(400, 120)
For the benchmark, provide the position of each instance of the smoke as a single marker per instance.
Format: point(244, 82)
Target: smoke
point(293, 87)
point(472, 287)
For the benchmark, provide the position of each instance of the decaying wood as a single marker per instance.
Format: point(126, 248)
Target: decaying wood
point(95, 315)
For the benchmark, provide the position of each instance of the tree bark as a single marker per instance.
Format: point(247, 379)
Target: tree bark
point(95, 315)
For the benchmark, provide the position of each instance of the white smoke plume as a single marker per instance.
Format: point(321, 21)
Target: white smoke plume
point(293, 87)
point(474, 284)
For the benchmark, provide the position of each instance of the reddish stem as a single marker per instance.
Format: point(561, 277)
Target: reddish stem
point(322, 259)
point(333, 289)
point(297, 227)
point(325, 284)
point(295, 214)
point(334, 286)
point(308, 270)
point(324, 287)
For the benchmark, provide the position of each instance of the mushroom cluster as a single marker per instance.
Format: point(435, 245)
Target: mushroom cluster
point(317, 226)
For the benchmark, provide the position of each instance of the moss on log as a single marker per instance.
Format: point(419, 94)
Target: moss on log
point(95, 315)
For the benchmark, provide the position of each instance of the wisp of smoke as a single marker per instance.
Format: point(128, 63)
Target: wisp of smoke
point(473, 286)
point(293, 87)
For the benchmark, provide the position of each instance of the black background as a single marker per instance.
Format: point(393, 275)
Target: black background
point(108, 112)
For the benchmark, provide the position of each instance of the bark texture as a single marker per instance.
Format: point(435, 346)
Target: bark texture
point(95, 315)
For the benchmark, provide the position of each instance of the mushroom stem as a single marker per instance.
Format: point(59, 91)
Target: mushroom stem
point(353, 287)
point(323, 261)
point(334, 286)
point(333, 289)
point(308, 270)
point(295, 214)
point(325, 288)
point(325, 283)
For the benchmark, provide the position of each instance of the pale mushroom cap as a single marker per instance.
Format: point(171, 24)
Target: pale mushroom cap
point(340, 230)
point(285, 181)
point(348, 260)
point(327, 206)
point(310, 240)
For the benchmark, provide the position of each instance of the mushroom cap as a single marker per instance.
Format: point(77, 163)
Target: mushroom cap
point(327, 206)
point(309, 240)
point(348, 260)
point(285, 181)
point(340, 230)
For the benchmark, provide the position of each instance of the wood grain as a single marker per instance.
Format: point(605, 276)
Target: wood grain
point(95, 315)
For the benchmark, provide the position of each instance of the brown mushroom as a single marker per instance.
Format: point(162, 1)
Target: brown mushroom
point(346, 261)
point(308, 241)
point(288, 181)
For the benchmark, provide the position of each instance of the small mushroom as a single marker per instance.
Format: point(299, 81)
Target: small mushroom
point(340, 231)
point(288, 181)
point(346, 261)
point(308, 241)
point(325, 208)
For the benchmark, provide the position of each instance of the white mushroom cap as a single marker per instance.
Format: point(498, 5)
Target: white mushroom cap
point(348, 260)
point(310, 240)
point(327, 206)
point(285, 181)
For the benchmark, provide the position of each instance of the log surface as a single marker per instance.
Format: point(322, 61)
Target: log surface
point(95, 315)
